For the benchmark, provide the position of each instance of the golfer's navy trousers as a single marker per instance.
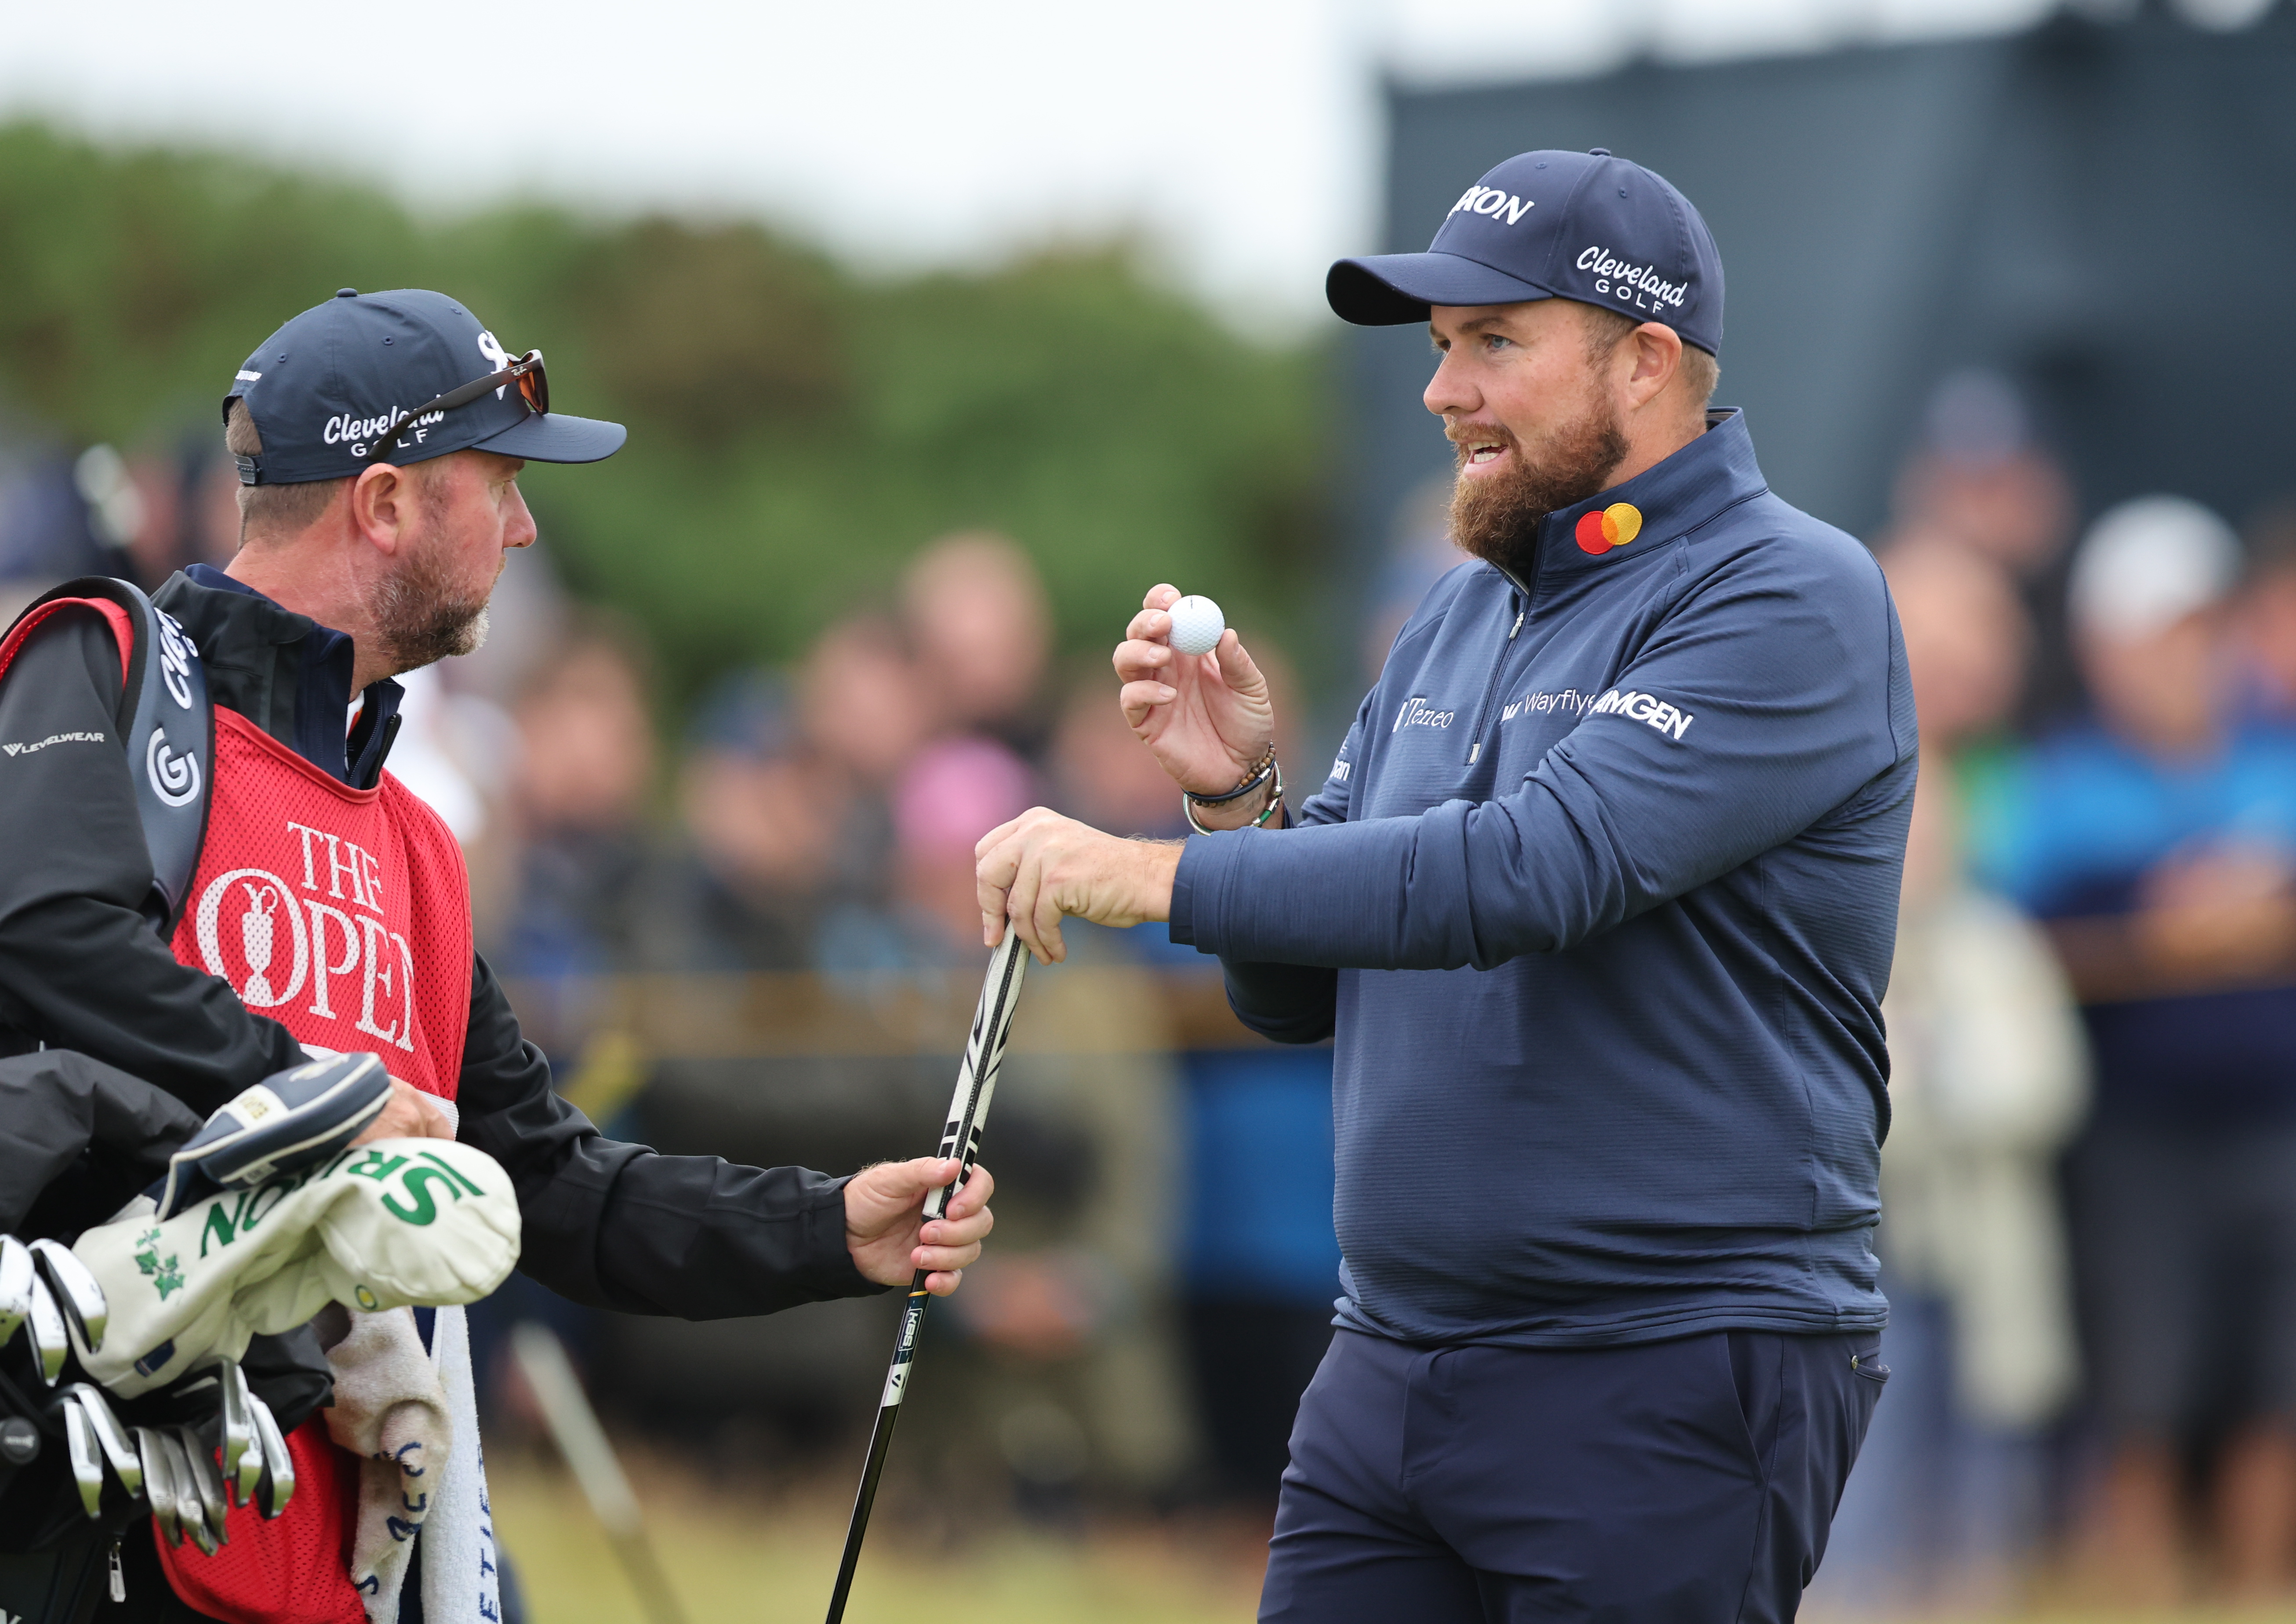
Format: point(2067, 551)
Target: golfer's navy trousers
point(1688, 1481)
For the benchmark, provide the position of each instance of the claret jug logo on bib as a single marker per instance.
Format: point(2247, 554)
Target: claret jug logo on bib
point(320, 937)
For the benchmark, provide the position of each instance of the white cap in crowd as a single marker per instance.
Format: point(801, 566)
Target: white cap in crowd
point(2150, 562)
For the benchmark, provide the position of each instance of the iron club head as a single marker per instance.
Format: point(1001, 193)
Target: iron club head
point(243, 1450)
point(87, 1460)
point(50, 1341)
point(160, 1482)
point(276, 1487)
point(207, 1486)
point(119, 1448)
point(76, 1288)
point(15, 1284)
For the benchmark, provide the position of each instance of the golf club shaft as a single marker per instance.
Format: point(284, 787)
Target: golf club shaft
point(968, 1114)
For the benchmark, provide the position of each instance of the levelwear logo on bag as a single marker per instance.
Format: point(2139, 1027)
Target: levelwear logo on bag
point(54, 738)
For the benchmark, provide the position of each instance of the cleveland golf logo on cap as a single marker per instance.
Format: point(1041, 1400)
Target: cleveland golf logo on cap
point(1607, 528)
point(1625, 282)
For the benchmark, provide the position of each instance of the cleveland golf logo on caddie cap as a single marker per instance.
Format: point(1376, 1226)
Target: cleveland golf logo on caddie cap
point(408, 374)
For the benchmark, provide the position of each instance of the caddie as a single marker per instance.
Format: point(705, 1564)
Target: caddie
point(321, 907)
point(1598, 900)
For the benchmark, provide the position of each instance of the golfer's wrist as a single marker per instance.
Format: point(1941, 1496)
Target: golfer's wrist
point(1160, 864)
point(1238, 813)
point(1232, 770)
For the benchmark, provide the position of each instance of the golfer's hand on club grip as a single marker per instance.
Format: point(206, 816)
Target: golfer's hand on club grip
point(1041, 865)
point(1208, 717)
point(411, 1114)
point(884, 1227)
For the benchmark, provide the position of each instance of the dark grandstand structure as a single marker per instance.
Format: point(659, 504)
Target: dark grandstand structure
point(2102, 211)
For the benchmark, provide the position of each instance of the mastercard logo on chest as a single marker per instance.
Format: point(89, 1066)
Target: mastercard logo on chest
point(1607, 528)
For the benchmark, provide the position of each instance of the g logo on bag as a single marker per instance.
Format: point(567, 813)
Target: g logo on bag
point(175, 777)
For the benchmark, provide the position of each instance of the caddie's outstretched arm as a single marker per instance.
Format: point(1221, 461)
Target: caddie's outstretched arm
point(621, 1226)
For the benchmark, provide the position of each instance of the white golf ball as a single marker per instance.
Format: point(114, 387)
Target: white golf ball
point(1196, 625)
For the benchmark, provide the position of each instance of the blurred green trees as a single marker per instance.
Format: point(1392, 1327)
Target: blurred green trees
point(796, 429)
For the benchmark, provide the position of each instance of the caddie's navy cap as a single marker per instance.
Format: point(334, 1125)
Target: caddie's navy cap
point(1578, 225)
point(334, 380)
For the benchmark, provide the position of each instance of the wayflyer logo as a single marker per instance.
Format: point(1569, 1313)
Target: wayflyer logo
point(1607, 528)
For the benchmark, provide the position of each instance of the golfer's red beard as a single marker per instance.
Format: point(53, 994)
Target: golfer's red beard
point(1497, 519)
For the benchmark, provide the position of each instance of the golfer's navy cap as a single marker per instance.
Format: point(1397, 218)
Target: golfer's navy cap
point(1578, 225)
point(327, 385)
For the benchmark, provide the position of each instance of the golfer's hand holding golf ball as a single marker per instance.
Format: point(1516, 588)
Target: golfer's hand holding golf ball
point(1195, 697)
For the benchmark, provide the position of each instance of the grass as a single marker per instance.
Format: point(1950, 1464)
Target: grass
point(767, 1558)
point(764, 1561)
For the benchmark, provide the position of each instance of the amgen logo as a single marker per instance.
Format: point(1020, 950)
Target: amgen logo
point(1641, 707)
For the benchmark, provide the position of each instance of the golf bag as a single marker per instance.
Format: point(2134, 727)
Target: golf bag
point(169, 732)
point(83, 1138)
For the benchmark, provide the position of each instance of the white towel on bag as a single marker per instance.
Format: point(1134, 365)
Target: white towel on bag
point(461, 1584)
point(390, 1411)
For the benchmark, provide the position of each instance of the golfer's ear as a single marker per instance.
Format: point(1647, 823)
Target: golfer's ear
point(1658, 358)
point(382, 501)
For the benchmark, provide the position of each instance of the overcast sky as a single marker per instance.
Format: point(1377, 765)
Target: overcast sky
point(1241, 136)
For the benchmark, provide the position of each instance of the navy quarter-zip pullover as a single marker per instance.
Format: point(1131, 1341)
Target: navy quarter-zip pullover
point(1599, 900)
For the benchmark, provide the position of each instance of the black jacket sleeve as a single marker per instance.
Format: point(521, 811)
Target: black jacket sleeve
point(83, 1137)
point(616, 1225)
point(80, 968)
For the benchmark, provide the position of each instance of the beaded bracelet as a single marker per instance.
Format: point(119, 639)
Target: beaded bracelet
point(1252, 780)
point(1273, 769)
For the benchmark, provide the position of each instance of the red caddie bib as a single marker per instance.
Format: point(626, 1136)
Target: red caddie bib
point(344, 915)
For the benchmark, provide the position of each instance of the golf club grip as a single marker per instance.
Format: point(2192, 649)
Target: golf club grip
point(984, 1057)
point(968, 1115)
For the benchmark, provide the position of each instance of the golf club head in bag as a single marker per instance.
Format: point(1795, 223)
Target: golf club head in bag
point(290, 1121)
point(170, 1466)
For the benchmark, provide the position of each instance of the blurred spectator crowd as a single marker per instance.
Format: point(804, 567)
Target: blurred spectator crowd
point(2089, 1232)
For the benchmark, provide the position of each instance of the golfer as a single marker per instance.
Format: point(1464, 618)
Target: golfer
point(1598, 900)
point(379, 439)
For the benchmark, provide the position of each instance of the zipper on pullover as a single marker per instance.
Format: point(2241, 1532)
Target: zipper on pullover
point(1482, 717)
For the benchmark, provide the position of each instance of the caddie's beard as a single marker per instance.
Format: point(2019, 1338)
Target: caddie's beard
point(421, 616)
point(1498, 519)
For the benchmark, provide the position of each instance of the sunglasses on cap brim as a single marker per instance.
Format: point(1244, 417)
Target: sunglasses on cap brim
point(526, 371)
